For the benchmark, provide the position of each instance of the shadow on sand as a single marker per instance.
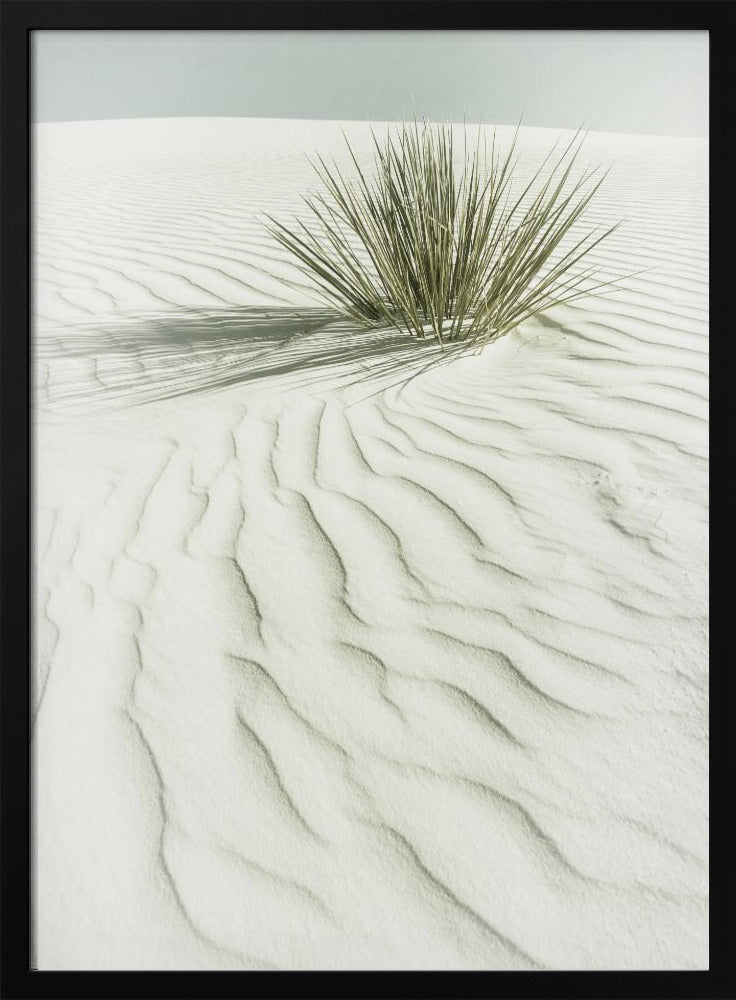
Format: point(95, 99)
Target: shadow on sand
point(136, 359)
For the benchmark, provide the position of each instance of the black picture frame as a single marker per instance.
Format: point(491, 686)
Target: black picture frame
point(18, 19)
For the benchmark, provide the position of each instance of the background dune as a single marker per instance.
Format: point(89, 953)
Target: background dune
point(336, 669)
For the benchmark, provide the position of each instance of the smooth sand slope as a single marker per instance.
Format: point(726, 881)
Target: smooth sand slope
point(333, 672)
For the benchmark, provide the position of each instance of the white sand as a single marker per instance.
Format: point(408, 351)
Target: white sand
point(331, 676)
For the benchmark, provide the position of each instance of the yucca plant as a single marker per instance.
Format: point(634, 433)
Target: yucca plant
point(462, 255)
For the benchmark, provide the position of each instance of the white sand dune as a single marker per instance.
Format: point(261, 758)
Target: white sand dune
point(336, 670)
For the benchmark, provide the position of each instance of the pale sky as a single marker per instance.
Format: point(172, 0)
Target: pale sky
point(614, 81)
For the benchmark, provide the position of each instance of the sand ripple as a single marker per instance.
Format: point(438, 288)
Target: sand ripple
point(340, 670)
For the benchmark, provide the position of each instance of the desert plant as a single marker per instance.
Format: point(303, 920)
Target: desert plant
point(464, 255)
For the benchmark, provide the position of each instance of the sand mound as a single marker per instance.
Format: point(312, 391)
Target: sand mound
point(338, 670)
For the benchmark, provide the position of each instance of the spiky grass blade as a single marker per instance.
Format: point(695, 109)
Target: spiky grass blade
point(466, 255)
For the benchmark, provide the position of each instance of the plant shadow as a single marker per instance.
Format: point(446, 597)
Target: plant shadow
point(142, 358)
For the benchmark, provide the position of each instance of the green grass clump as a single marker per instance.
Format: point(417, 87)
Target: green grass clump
point(459, 255)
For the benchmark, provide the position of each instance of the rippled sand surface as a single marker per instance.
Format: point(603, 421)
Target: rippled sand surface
point(341, 669)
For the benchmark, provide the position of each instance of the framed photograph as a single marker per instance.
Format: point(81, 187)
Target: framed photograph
point(356, 499)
